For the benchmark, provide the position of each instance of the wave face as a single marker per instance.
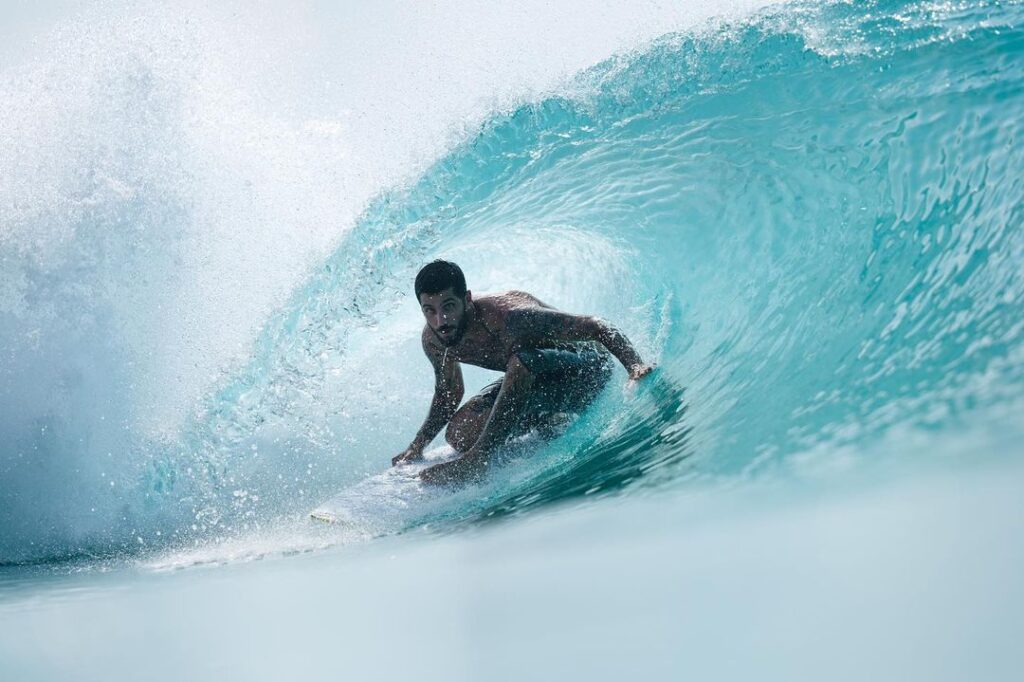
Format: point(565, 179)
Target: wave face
point(811, 219)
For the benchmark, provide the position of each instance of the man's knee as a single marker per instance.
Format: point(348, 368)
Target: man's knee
point(460, 433)
point(517, 371)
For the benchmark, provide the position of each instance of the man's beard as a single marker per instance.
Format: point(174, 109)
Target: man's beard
point(460, 330)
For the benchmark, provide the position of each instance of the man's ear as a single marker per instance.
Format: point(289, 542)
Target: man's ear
point(469, 297)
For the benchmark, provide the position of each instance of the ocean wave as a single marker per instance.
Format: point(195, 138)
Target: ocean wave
point(811, 219)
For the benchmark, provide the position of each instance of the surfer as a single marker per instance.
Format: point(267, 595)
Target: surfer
point(553, 362)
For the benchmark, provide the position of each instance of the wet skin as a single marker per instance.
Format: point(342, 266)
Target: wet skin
point(488, 332)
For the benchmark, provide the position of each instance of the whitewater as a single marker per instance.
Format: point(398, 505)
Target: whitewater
point(808, 214)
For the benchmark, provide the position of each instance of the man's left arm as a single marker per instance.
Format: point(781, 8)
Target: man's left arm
point(540, 325)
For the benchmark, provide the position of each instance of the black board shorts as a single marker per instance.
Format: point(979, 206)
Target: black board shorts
point(566, 379)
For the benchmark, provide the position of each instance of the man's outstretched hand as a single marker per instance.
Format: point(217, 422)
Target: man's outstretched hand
point(410, 454)
point(639, 371)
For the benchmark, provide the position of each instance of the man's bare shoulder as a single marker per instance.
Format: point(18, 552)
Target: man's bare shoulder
point(495, 308)
point(430, 344)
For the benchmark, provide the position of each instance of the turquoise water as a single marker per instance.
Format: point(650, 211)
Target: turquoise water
point(810, 216)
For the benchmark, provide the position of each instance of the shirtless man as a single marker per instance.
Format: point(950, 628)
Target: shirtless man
point(553, 362)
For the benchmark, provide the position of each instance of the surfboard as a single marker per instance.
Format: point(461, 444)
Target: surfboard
point(380, 501)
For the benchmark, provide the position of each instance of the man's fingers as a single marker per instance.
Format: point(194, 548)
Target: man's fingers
point(640, 372)
point(403, 457)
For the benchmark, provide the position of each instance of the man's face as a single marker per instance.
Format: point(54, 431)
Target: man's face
point(445, 313)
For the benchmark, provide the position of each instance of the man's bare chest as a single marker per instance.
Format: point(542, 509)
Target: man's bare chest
point(483, 348)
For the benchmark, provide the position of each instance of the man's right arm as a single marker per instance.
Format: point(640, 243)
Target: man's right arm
point(448, 392)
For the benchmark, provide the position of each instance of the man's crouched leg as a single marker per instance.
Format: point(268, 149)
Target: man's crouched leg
point(468, 423)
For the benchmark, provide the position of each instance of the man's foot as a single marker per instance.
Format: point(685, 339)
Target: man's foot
point(464, 468)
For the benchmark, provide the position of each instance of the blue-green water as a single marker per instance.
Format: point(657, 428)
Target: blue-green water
point(810, 217)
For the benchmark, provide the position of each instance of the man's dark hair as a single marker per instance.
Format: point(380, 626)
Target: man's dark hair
point(439, 275)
